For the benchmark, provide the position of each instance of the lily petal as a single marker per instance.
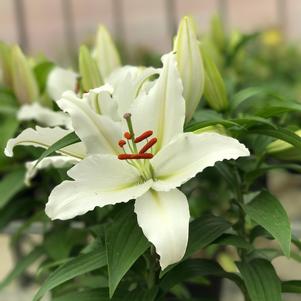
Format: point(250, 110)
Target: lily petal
point(164, 219)
point(60, 80)
point(101, 101)
point(99, 133)
point(43, 115)
point(162, 110)
point(99, 180)
point(45, 137)
point(128, 83)
point(55, 161)
point(189, 154)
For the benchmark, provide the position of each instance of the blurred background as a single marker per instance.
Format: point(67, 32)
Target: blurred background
point(56, 28)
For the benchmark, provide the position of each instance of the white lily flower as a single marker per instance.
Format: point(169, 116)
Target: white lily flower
point(60, 80)
point(54, 161)
point(43, 115)
point(44, 138)
point(148, 164)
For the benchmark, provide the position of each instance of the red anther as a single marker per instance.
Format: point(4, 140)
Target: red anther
point(127, 135)
point(125, 156)
point(142, 156)
point(143, 136)
point(148, 145)
point(145, 156)
point(121, 143)
point(135, 156)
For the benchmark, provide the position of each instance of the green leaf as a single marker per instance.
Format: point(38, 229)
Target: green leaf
point(63, 142)
point(268, 212)
point(204, 231)
point(246, 94)
point(41, 72)
point(195, 268)
point(86, 295)
point(198, 125)
point(261, 280)
point(278, 108)
point(10, 185)
point(280, 133)
point(233, 240)
point(22, 265)
point(292, 286)
point(80, 265)
point(125, 243)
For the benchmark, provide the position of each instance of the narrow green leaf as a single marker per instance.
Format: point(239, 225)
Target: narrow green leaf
point(233, 240)
point(292, 286)
point(63, 142)
point(22, 265)
point(245, 95)
point(204, 231)
point(280, 133)
point(261, 280)
point(10, 185)
point(198, 125)
point(86, 295)
point(73, 268)
point(125, 243)
point(268, 212)
point(195, 268)
point(278, 108)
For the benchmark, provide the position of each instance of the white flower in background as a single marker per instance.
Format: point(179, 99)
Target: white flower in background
point(101, 101)
point(145, 158)
point(43, 115)
point(60, 80)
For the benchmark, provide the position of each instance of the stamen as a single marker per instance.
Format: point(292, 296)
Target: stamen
point(122, 143)
point(135, 156)
point(148, 145)
point(127, 135)
point(143, 136)
point(125, 156)
point(145, 156)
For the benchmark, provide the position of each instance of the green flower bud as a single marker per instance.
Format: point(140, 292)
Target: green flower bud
point(190, 64)
point(283, 150)
point(215, 90)
point(90, 75)
point(218, 128)
point(5, 65)
point(217, 32)
point(25, 85)
point(105, 53)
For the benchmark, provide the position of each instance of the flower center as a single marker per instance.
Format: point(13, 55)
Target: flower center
point(135, 157)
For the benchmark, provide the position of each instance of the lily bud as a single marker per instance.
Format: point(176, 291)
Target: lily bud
point(283, 150)
point(88, 70)
point(218, 128)
point(190, 64)
point(215, 90)
point(217, 32)
point(105, 53)
point(5, 65)
point(25, 85)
